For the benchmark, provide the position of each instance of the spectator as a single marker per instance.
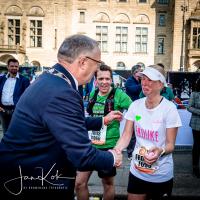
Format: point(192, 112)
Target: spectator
point(133, 85)
point(12, 86)
point(194, 108)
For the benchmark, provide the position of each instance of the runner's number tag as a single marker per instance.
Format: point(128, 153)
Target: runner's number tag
point(98, 137)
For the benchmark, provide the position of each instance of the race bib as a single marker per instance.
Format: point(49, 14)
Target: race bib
point(139, 163)
point(98, 137)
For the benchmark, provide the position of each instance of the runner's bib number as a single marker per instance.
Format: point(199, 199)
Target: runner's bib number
point(98, 137)
point(139, 163)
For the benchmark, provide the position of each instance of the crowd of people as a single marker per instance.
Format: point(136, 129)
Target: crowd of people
point(48, 141)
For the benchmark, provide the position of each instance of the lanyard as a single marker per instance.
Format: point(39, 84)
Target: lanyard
point(59, 74)
point(55, 72)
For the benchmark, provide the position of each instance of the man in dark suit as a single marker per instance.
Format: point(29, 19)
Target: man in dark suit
point(12, 86)
point(47, 139)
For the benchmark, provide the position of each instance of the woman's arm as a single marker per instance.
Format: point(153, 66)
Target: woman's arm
point(126, 136)
point(170, 140)
point(161, 151)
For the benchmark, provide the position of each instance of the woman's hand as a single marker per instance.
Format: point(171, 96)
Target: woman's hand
point(152, 155)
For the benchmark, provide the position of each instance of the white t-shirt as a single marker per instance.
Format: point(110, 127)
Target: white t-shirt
point(150, 130)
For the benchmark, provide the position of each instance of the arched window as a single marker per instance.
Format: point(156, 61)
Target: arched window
point(14, 11)
point(102, 30)
point(141, 64)
point(4, 58)
point(102, 18)
point(36, 26)
point(121, 65)
point(36, 64)
point(122, 18)
point(142, 19)
point(197, 65)
point(36, 11)
point(14, 24)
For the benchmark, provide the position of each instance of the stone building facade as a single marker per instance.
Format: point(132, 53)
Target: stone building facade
point(186, 35)
point(128, 31)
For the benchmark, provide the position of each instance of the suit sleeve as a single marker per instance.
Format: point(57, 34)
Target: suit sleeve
point(65, 119)
point(93, 123)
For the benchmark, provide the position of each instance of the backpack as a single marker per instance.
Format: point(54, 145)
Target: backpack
point(109, 104)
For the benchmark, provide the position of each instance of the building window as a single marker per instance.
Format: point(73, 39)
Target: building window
point(82, 17)
point(121, 39)
point(141, 40)
point(142, 1)
point(13, 31)
point(160, 45)
point(121, 65)
point(162, 20)
point(163, 1)
point(102, 37)
point(142, 65)
point(36, 33)
point(196, 38)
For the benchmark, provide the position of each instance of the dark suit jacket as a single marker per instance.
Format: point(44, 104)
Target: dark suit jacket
point(21, 84)
point(48, 129)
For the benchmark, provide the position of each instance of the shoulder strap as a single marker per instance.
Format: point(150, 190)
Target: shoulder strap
point(92, 102)
point(109, 105)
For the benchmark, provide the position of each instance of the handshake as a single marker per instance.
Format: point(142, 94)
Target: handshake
point(117, 154)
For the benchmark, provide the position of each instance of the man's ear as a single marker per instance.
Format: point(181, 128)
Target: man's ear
point(82, 62)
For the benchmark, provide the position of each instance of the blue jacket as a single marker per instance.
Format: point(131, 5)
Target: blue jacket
point(21, 84)
point(133, 88)
point(48, 128)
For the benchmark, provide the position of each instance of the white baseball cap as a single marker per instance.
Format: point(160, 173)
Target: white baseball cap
point(153, 74)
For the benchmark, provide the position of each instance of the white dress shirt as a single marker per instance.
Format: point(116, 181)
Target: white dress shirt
point(8, 90)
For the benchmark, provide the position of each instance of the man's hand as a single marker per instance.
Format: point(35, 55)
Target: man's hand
point(117, 157)
point(113, 115)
